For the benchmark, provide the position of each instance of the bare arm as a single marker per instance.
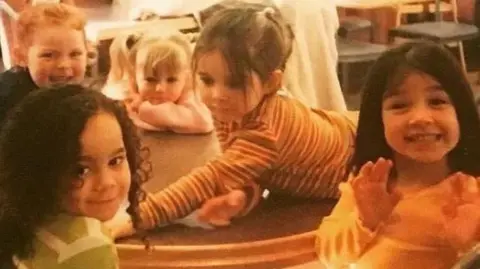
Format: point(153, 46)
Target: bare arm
point(191, 116)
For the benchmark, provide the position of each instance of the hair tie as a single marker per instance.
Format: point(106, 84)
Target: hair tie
point(133, 39)
point(268, 12)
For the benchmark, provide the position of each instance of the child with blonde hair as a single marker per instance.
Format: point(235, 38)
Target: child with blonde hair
point(50, 49)
point(151, 72)
point(269, 140)
point(412, 200)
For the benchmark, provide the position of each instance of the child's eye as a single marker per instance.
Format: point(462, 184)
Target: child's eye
point(207, 81)
point(438, 101)
point(75, 54)
point(46, 55)
point(398, 105)
point(151, 79)
point(116, 161)
point(172, 79)
point(82, 171)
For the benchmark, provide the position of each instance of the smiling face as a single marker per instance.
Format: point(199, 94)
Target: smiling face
point(419, 120)
point(56, 54)
point(102, 177)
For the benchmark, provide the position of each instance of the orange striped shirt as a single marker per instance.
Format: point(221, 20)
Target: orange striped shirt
point(282, 146)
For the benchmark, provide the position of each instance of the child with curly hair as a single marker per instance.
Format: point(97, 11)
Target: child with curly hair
point(61, 175)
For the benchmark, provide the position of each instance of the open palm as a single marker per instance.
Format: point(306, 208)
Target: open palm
point(374, 202)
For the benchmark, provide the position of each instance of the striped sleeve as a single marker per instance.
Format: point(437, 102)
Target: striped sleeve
point(252, 152)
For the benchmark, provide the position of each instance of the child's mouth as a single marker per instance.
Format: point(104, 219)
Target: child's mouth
point(423, 138)
point(60, 79)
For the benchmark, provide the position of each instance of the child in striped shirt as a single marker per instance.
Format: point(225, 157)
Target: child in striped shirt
point(269, 141)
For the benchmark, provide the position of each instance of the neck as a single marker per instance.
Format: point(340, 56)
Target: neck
point(413, 173)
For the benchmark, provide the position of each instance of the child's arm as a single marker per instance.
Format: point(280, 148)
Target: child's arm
point(143, 125)
point(341, 237)
point(366, 202)
point(187, 117)
point(250, 155)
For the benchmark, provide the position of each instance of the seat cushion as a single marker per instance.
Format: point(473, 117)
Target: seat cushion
point(350, 51)
point(442, 31)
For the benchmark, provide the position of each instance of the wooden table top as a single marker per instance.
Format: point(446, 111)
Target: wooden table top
point(174, 155)
point(277, 234)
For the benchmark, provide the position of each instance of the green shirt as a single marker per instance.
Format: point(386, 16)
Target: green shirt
point(71, 242)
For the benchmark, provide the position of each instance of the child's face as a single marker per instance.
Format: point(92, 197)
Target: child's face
point(163, 86)
point(227, 102)
point(102, 179)
point(56, 55)
point(420, 120)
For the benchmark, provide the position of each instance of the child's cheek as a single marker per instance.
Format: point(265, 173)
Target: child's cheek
point(40, 77)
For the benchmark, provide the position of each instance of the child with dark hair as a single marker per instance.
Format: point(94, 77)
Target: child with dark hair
point(412, 200)
point(269, 140)
point(61, 175)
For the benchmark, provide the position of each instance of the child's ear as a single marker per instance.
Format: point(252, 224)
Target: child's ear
point(20, 56)
point(274, 82)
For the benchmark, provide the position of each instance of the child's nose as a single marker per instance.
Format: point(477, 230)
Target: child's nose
point(64, 63)
point(216, 95)
point(421, 114)
point(105, 180)
point(160, 87)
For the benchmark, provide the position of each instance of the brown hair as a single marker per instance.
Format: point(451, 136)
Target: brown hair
point(251, 37)
point(39, 16)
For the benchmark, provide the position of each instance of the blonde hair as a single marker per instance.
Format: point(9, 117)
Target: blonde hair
point(170, 50)
point(36, 17)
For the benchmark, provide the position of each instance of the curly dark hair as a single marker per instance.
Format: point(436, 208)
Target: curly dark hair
point(437, 62)
point(39, 145)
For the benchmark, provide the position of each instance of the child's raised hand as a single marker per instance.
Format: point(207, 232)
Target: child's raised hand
point(374, 202)
point(462, 212)
point(219, 210)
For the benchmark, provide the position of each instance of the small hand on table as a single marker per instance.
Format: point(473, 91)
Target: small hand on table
point(219, 211)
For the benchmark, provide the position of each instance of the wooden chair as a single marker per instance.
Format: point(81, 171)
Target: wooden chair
point(444, 32)
point(353, 51)
point(423, 7)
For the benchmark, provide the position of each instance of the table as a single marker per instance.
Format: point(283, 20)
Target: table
point(382, 13)
point(279, 233)
point(372, 4)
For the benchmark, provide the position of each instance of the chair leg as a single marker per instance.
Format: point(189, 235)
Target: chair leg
point(345, 77)
point(462, 56)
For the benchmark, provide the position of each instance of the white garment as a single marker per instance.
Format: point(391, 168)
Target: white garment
point(311, 73)
point(164, 7)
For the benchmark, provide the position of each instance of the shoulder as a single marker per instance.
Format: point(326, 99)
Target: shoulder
point(78, 239)
point(278, 108)
point(15, 75)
